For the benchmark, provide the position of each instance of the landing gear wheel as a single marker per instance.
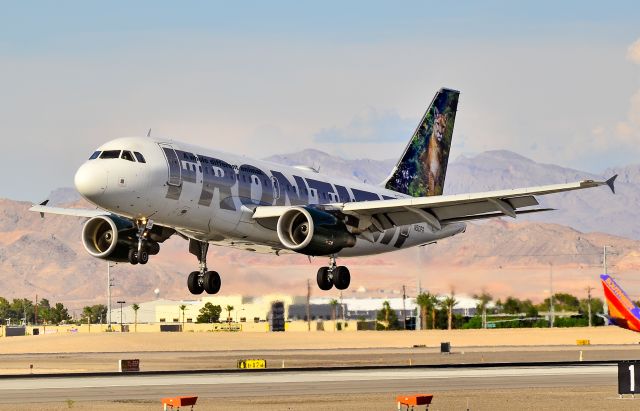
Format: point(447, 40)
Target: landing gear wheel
point(193, 283)
point(133, 256)
point(211, 282)
point(143, 257)
point(341, 277)
point(324, 279)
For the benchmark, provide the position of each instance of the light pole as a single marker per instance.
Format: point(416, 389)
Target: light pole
point(605, 307)
point(552, 312)
point(121, 304)
point(109, 285)
point(242, 309)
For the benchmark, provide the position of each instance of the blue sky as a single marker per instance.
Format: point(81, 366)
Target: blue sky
point(550, 80)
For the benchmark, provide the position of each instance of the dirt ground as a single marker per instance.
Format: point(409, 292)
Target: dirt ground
point(583, 398)
point(226, 341)
point(100, 352)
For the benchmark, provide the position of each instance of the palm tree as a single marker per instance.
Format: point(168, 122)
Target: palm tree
point(426, 302)
point(483, 300)
point(432, 305)
point(135, 308)
point(182, 308)
point(448, 303)
point(334, 304)
point(229, 308)
point(386, 309)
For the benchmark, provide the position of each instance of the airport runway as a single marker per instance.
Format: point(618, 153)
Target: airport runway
point(269, 384)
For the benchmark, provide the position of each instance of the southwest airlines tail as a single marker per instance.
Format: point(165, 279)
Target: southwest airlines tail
point(423, 165)
point(622, 311)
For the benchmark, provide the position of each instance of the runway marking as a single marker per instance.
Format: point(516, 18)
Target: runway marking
point(297, 377)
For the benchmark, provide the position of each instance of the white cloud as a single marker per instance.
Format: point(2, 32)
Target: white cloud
point(369, 126)
point(633, 52)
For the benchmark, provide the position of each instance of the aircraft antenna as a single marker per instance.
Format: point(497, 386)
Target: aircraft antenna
point(149, 133)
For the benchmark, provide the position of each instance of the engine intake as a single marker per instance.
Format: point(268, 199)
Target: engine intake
point(313, 232)
point(111, 237)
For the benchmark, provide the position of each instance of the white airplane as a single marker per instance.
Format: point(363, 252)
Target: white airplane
point(148, 189)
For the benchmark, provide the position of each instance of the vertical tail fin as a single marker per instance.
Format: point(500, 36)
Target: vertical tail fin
point(423, 165)
point(622, 311)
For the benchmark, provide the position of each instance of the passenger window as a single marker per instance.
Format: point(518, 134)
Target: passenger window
point(110, 154)
point(126, 155)
point(139, 156)
point(94, 155)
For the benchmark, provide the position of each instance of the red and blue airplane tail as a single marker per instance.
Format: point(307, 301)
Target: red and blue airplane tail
point(622, 311)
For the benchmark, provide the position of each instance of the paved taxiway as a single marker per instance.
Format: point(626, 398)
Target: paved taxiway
point(248, 384)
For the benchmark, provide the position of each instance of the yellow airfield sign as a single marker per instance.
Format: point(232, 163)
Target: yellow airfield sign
point(252, 364)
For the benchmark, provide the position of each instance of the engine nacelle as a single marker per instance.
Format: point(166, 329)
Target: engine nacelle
point(111, 238)
point(313, 232)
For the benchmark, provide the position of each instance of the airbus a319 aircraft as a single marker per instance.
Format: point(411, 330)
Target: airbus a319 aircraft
point(148, 189)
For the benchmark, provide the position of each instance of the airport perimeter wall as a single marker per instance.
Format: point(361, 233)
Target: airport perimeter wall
point(294, 326)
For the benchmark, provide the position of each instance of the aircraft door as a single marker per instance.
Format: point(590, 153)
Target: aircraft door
point(175, 177)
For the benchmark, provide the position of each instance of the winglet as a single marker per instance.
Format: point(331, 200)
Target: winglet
point(44, 203)
point(610, 182)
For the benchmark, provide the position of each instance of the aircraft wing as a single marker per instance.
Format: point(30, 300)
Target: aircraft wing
point(437, 210)
point(42, 208)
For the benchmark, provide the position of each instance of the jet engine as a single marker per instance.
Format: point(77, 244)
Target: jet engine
point(110, 238)
point(313, 232)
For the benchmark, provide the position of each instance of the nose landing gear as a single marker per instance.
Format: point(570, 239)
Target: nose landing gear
point(202, 280)
point(333, 275)
point(140, 254)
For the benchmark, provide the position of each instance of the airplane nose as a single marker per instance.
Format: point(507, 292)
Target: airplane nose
point(91, 180)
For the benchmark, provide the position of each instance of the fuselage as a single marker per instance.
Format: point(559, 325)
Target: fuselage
point(210, 195)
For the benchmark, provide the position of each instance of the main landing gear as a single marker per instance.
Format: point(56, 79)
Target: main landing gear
point(140, 253)
point(202, 280)
point(333, 275)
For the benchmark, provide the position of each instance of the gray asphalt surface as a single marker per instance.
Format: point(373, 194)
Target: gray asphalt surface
point(214, 385)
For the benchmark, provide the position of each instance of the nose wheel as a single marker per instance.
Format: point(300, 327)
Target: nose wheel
point(333, 275)
point(202, 280)
point(139, 253)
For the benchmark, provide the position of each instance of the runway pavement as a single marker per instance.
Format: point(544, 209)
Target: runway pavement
point(256, 384)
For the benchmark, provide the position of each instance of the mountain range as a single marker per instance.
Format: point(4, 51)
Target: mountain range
point(503, 256)
point(587, 210)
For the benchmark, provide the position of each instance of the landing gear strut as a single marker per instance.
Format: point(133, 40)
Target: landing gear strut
point(140, 254)
point(202, 280)
point(333, 275)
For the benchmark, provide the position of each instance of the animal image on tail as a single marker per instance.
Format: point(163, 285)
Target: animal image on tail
point(622, 311)
point(423, 165)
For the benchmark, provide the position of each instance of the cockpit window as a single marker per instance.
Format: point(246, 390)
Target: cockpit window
point(139, 156)
point(126, 155)
point(110, 154)
point(94, 155)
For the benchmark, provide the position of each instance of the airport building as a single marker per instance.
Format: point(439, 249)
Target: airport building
point(259, 309)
